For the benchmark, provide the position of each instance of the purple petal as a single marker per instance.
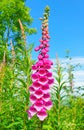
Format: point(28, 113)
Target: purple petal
point(48, 37)
point(48, 105)
point(47, 40)
point(43, 80)
point(38, 105)
point(40, 56)
point(46, 97)
point(42, 71)
point(34, 76)
point(37, 48)
point(41, 46)
point(36, 85)
point(49, 74)
point(46, 61)
point(48, 67)
point(33, 98)
point(34, 67)
point(32, 111)
point(45, 88)
point(31, 89)
point(47, 45)
point(29, 115)
point(46, 56)
point(42, 114)
point(41, 40)
point(44, 51)
point(51, 81)
point(40, 63)
point(44, 42)
point(38, 93)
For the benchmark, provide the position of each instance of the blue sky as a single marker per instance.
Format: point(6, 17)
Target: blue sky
point(66, 26)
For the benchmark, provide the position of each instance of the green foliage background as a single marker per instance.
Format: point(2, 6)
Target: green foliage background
point(15, 78)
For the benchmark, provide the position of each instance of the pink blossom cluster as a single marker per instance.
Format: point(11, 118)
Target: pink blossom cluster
point(42, 78)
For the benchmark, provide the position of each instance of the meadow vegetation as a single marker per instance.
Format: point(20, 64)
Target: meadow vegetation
point(67, 112)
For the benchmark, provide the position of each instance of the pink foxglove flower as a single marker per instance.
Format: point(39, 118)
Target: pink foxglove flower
point(42, 78)
point(42, 114)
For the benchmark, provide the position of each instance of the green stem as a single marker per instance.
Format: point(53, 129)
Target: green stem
point(41, 128)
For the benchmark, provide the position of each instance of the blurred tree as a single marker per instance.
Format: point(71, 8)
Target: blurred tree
point(15, 64)
point(11, 11)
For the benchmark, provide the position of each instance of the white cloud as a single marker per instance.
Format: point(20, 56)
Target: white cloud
point(77, 60)
point(78, 83)
point(74, 60)
point(78, 73)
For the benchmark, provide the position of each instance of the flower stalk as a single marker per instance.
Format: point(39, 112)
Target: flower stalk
point(42, 78)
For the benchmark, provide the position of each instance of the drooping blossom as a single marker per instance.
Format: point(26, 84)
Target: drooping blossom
point(42, 78)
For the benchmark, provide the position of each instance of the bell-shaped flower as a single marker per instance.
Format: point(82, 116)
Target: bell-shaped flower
point(49, 75)
point(34, 76)
point(37, 48)
point(50, 81)
point(32, 111)
point(47, 50)
point(42, 114)
point(47, 67)
point(42, 71)
point(33, 98)
point(46, 56)
point(45, 88)
point(48, 105)
point(46, 97)
point(34, 67)
point(36, 85)
point(44, 42)
point(38, 93)
point(41, 46)
point(43, 80)
point(38, 104)
point(40, 57)
point(31, 89)
point(41, 40)
point(40, 63)
point(29, 114)
point(44, 51)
